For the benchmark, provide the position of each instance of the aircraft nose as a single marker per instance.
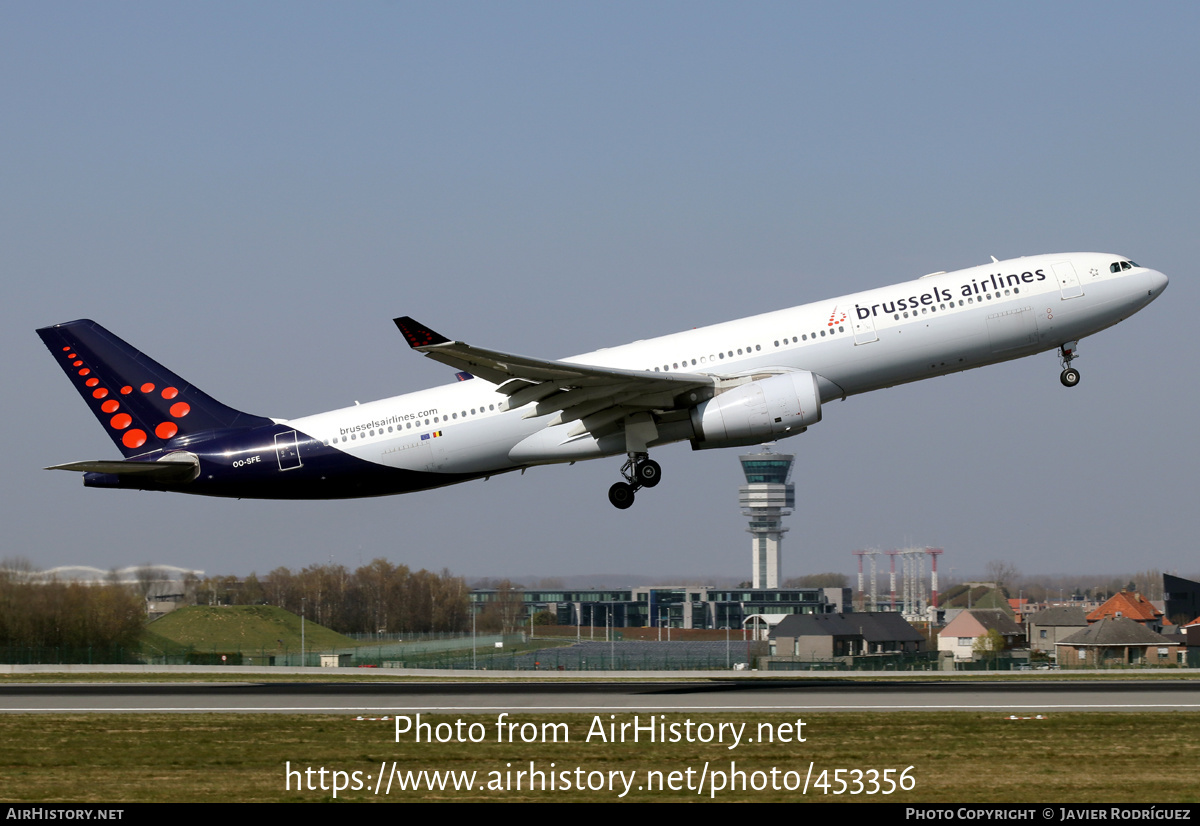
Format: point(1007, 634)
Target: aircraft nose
point(1157, 282)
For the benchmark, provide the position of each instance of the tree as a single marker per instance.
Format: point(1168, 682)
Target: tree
point(1002, 573)
point(504, 613)
point(988, 645)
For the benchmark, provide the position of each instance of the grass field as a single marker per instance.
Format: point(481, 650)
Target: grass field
point(252, 628)
point(955, 757)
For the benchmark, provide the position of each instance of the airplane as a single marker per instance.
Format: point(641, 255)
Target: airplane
point(735, 384)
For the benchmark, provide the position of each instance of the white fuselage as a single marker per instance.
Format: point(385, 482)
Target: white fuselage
point(938, 324)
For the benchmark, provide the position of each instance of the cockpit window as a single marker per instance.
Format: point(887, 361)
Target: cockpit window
point(1117, 266)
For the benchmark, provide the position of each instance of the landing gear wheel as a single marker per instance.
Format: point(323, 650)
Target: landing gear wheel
point(1067, 353)
point(621, 495)
point(649, 473)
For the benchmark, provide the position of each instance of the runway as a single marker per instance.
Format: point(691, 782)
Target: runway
point(1017, 697)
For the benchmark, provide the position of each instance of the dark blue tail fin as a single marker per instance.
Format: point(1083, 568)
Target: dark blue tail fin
point(142, 405)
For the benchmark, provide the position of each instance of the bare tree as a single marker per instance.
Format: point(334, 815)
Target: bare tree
point(1002, 572)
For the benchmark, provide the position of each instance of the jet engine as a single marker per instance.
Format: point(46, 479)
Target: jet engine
point(759, 411)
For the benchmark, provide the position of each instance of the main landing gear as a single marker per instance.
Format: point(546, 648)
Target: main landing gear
point(640, 471)
point(1069, 376)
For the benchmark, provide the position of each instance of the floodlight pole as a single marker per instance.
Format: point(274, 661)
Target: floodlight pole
point(303, 601)
point(612, 652)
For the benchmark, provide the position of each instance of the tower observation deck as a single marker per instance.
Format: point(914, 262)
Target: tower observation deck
point(766, 498)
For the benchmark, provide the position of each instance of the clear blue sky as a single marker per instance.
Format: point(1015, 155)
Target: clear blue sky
point(250, 192)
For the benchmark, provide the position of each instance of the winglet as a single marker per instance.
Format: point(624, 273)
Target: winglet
point(417, 334)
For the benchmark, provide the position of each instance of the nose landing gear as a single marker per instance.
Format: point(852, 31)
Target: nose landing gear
point(640, 471)
point(1069, 376)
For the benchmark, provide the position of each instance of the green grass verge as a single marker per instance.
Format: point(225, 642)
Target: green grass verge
point(961, 757)
point(248, 628)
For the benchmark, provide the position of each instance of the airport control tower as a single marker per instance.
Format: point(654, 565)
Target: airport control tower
point(766, 498)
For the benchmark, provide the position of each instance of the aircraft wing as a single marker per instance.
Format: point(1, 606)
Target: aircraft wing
point(596, 397)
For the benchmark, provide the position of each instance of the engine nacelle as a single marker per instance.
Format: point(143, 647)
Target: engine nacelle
point(759, 411)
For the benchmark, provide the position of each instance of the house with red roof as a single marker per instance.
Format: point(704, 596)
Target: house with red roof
point(1131, 606)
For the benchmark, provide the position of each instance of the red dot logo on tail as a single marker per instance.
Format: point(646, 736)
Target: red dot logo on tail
point(134, 438)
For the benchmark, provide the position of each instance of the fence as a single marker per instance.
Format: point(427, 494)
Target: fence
point(924, 661)
point(514, 653)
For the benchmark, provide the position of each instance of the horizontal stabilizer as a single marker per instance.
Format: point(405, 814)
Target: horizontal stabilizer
point(166, 471)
